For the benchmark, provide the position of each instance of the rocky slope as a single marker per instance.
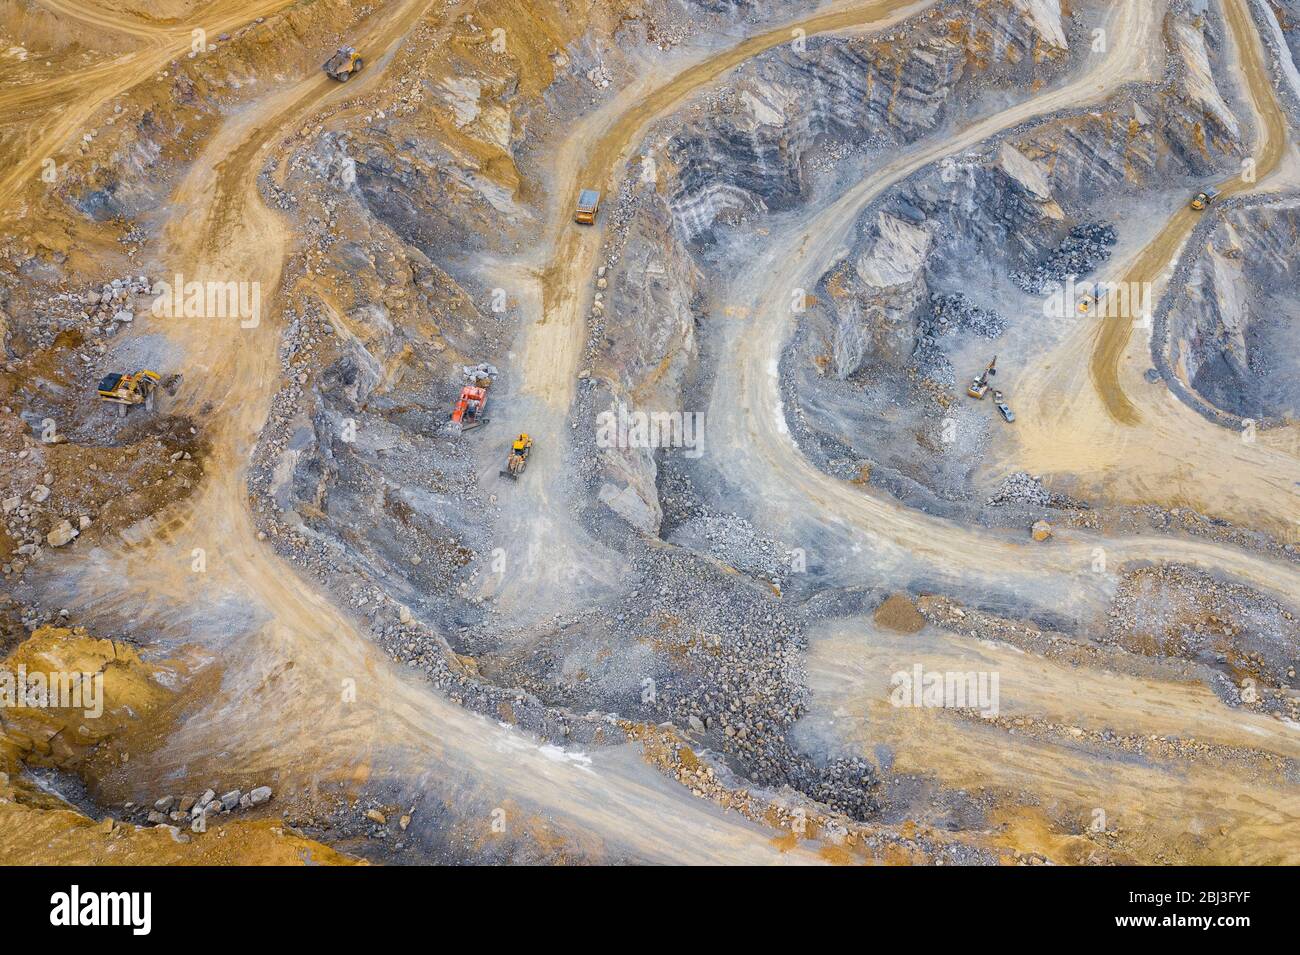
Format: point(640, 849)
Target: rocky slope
point(785, 123)
point(1231, 326)
point(53, 759)
point(1003, 228)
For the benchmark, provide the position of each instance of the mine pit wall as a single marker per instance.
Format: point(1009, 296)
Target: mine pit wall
point(1019, 201)
point(115, 183)
point(750, 155)
point(1021, 197)
point(140, 153)
point(1223, 339)
point(355, 465)
point(1287, 15)
point(1187, 333)
point(758, 153)
point(960, 223)
point(422, 183)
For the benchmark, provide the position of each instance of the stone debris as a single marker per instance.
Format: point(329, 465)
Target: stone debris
point(1084, 248)
point(196, 811)
point(63, 533)
point(1026, 490)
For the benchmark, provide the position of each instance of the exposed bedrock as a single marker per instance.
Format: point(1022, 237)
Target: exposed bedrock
point(645, 344)
point(1004, 227)
point(751, 152)
point(1232, 327)
point(355, 466)
point(877, 349)
point(786, 120)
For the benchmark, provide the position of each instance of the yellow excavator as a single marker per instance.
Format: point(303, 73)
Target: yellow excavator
point(127, 390)
point(518, 459)
point(980, 386)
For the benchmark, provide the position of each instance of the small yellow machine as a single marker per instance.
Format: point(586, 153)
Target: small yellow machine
point(518, 459)
point(343, 64)
point(127, 390)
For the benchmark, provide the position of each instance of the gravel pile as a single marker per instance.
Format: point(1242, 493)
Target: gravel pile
point(1026, 490)
point(732, 539)
point(1085, 247)
point(932, 362)
point(195, 811)
point(954, 312)
point(733, 673)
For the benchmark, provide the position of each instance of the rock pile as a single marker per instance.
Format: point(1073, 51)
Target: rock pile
point(1250, 638)
point(197, 810)
point(1084, 248)
point(732, 539)
point(1025, 490)
point(114, 303)
point(954, 312)
point(32, 519)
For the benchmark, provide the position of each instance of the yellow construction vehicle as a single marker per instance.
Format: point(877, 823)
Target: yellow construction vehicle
point(588, 204)
point(343, 64)
point(1203, 199)
point(980, 386)
point(127, 390)
point(518, 459)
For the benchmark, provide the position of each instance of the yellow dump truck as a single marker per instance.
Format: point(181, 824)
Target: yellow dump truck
point(343, 64)
point(588, 204)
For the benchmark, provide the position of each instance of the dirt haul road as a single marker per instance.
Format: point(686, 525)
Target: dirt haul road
point(847, 674)
point(1129, 441)
point(288, 648)
point(80, 96)
point(747, 427)
point(552, 556)
point(1113, 335)
point(285, 649)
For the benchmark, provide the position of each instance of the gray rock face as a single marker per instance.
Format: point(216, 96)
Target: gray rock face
point(750, 155)
point(875, 296)
point(643, 336)
point(1233, 326)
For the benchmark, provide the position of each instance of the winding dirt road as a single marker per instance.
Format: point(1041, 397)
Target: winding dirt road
point(282, 669)
point(278, 710)
point(749, 431)
point(1126, 440)
point(66, 104)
